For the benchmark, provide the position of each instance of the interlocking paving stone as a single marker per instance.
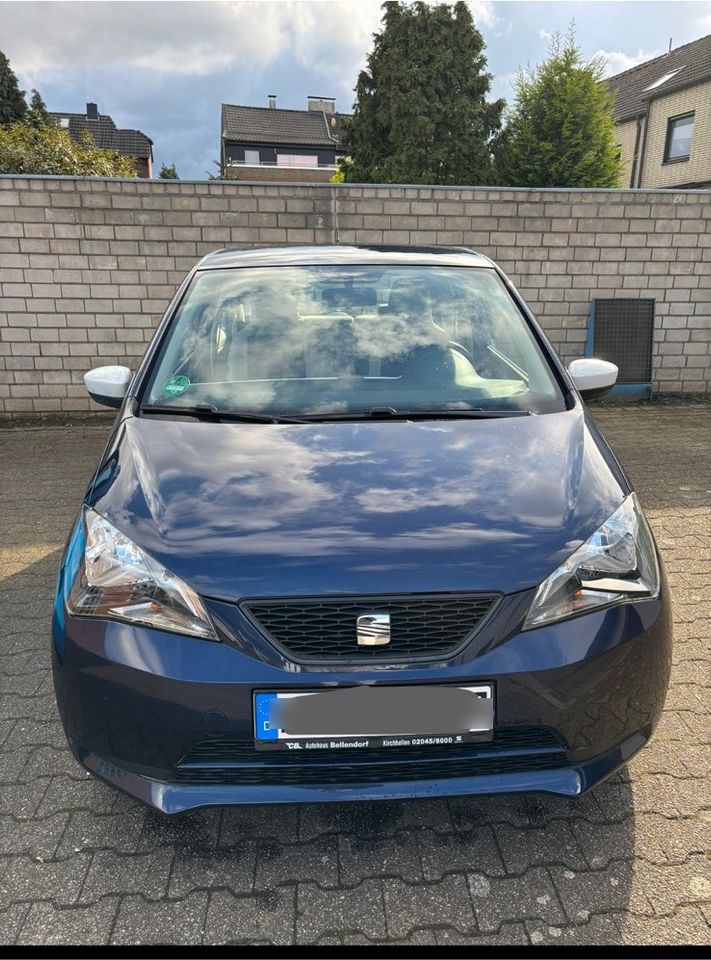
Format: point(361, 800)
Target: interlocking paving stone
point(532, 846)
point(29, 879)
point(111, 873)
point(624, 864)
point(195, 869)
point(590, 892)
point(510, 934)
point(446, 902)
point(671, 884)
point(443, 853)
point(351, 910)
point(266, 917)
point(45, 924)
point(362, 857)
point(36, 838)
point(278, 863)
point(498, 900)
point(275, 821)
point(11, 920)
point(686, 926)
point(164, 921)
point(90, 831)
point(602, 928)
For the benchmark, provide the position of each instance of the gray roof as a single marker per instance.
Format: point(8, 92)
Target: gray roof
point(339, 254)
point(107, 136)
point(307, 128)
point(693, 61)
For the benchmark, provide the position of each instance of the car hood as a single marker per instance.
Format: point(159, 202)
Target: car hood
point(243, 510)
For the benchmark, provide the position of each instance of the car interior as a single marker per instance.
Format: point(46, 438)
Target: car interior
point(350, 341)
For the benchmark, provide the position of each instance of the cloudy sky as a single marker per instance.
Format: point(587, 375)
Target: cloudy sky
point(165, 67)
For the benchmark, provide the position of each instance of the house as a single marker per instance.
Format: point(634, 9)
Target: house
point(269, 143)
point(663, 116)
point(108, 136)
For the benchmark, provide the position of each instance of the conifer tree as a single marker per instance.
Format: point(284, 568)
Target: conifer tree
point(421, 113)
point(37, 115)
point(12, 100)
point(560, 131)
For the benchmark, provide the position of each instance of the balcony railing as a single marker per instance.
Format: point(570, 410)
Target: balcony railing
point(283, 166)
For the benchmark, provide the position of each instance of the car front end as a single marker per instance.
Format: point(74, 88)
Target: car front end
point(351, 604)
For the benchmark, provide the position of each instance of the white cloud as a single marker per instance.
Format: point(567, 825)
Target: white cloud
point(186, 38)
point(484, 13)
point(616, 61)
point(544, 34)
point(191, 38)
point(503, 85)
point(331, 38)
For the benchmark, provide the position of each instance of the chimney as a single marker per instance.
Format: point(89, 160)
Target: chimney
point(322, 104)
point(92, 111)
point(272, 101)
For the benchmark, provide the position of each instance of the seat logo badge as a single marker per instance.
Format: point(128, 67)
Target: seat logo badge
point(373, 629)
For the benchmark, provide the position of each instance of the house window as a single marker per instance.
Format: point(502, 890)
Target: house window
point(251, 157)
point(679, 133)
point(294, 160)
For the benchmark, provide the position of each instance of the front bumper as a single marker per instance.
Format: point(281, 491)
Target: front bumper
point(135, 702)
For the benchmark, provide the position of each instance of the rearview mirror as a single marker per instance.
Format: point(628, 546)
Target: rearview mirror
point(108, 385)
point(592, 377)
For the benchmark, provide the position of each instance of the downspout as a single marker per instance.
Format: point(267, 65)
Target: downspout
point(644, 145)
point(635, 153)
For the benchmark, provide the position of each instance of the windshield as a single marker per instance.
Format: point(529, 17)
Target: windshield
point(316, 340)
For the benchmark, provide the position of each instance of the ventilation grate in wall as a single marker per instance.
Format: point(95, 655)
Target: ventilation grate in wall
point(623, 330)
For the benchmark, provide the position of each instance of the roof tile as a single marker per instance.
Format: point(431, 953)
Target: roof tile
point(308, 128)
point(107, 136)
point(693, 62)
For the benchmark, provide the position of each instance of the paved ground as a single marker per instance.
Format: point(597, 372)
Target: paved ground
point(628, 863)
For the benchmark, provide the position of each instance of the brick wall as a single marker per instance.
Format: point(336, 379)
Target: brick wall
point(88, 266)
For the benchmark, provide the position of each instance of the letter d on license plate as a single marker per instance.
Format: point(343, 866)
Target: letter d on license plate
point(367, 717)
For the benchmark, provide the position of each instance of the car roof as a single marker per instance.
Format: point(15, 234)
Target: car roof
point(336, 254)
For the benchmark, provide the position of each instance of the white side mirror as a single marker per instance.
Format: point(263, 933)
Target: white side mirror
point(592, 377)
point(108, 385)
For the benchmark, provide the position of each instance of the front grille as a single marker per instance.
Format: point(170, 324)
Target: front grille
point(325, 629)
point(234, 762)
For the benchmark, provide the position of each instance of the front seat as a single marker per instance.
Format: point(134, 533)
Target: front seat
point(270, 346)
point(425, 357)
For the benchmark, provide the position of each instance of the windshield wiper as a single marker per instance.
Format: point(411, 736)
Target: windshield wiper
point(208, 411)
point(390, 413)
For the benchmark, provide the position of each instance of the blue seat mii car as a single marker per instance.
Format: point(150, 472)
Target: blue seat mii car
point(355, 536)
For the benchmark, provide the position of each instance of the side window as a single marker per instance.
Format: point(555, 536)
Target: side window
point(678, 143)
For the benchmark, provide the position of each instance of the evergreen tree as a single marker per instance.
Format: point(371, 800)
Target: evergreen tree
point(12, 99)
point(37, 115)
point(560, 131)
point(168, 172)
point(421, 113)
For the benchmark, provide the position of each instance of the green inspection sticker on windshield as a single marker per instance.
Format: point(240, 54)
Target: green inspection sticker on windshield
point(175, 386)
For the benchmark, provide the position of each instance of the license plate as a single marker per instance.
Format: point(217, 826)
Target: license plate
point(367, 717)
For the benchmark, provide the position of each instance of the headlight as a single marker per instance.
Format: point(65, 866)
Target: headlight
point(118, 580)
point(617, 564)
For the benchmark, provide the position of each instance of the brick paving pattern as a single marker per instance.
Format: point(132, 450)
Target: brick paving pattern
point(627, 863)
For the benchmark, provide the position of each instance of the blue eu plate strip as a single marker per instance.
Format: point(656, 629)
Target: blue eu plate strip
point(262, 730)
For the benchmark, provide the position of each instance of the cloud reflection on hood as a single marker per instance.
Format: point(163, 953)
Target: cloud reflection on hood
point(359, 506)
